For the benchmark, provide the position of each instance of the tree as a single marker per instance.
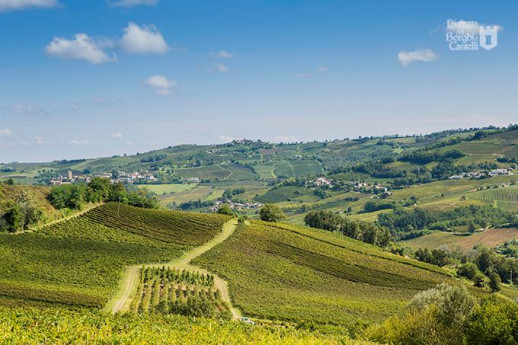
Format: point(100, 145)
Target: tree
point(495, 282)
point(13, 218)
point(468, 270)
point(471, 228)
point(225, 209)
point(271, 213)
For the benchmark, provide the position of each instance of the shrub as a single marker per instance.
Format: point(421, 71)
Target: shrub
point(271, 213)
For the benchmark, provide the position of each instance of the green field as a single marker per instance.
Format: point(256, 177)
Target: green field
point(276, 271)
point(80, 261)
point(169, 188)
point(489, 238)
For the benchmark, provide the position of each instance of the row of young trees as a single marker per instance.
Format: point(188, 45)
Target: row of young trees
point(366, 232)
point(74, 196)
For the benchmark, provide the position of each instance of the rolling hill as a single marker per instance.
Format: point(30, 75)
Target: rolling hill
point(79, 261)
point(285, 272)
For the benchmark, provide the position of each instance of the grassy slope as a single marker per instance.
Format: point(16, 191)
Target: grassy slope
point(80, 261)
point(292, 273)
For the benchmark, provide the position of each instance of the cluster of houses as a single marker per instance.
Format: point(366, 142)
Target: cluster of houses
point(481, 174)
point(69, 179)
point(191, 180)
point(322, 181)
point(130, 178)
point(121, 177)
point(236, 205)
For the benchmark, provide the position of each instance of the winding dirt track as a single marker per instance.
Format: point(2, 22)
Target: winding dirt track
point(121, 301)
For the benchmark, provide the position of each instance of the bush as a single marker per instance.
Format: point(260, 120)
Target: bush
point(271, 213)
point(468, 270)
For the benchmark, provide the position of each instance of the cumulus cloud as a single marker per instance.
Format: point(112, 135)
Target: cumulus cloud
point(419, 55)
point(133, 3)
point(116, 135)
point(223, 54)
point(15, 5)
point(81, 47)
point(6, 132)
point(143, 40)
point(220, 67)
point(160, 84)
point(79, 142)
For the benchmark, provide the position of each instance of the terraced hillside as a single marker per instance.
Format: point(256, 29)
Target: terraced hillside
point(80, 261)
point(280, 271)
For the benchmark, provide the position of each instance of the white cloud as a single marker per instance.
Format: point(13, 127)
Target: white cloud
point(133, 3)
point(14, 5)
point(105, 101)
point(41, 141)
point(161, 84)
point(220, 67)
point(81, 47)
point(223, 54)
point(303, 75)
point(226, 139)
point(116, 135)
point(28, 110)
point(322, 69)
point(142, 40)
point(6, 132)
point(79, 142)
point(285, 139)
point(408, 57)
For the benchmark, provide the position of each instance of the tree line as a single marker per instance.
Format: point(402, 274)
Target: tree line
point(363, 231)
point(74, 196)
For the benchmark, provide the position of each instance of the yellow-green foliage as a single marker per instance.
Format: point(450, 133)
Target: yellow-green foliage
point(55, 326)
point(285, 272)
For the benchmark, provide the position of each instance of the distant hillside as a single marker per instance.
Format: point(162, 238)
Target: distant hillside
point(284, 272)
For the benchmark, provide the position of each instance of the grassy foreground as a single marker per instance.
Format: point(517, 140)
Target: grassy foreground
point(32, 326)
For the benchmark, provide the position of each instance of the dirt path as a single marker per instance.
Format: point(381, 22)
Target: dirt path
point(121, 301)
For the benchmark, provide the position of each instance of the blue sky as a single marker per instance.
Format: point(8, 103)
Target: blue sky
point(96, 78)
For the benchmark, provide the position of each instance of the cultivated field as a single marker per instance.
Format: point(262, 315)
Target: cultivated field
point(277, 271)
point(80, 261)
point(488, 238)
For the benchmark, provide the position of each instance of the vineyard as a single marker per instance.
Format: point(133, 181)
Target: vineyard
point(170, 291)
point(284, 272)
point(79, 261)
point(506, 198)
point(168, 226)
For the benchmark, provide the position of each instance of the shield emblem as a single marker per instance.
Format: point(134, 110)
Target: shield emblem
point(488, 37)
